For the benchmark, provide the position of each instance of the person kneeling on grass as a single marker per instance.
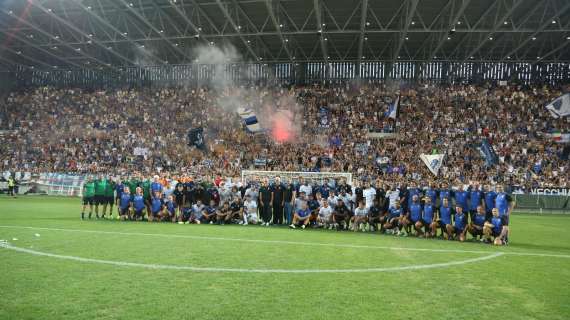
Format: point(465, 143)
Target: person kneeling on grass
point(224, 214)
point(156, 206)
point(374, 213)
point(341, 215)
point(138, 205)
point(496, 228)
point(475, 227)
point(195, 215)
point(459, 224)
point(301, 217)
point(393, 219)
point(125, 204)
point(169, 211)
point(237, 210)
point(360, 217)
point(324, 218)
point(209, 213)
point(249, 211)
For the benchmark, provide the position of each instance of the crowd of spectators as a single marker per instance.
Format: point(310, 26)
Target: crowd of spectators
point(144, 130)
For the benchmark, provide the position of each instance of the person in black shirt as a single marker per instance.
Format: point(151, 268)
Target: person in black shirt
point(374, 214)
point(278, 201)
point(341, 215)
point(359, 193)
point(265, 203)
point(288, 198)
point(179, 197)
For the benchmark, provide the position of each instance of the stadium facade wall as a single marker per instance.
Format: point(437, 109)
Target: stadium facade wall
point(8, 81)
point(302, 73)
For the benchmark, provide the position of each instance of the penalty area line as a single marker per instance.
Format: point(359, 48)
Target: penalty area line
point(315, 244)
point(245, 270)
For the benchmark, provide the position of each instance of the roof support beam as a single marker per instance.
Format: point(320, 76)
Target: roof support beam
point(269, 5)
point(363, 17)
point(443, 36)
point(318, 11)
point(412, 5)
point(153, 28)
point(496, 27)
point(237, 29)
point(107, 24)
point(545, 24)
point(44, 51)
point(58, 40)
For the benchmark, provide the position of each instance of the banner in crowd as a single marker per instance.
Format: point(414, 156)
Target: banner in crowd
point(560, 107)
point(559, 137)
point(250, 119)
point(196, 138)
point(433, 161)
point(361, 148)
point(393, 109)
point(488, 153)
point(551, 191)
point(138, 151)
point(259, 162)
point(324, 118)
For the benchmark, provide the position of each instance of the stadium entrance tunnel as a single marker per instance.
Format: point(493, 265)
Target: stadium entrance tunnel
point(214, 254)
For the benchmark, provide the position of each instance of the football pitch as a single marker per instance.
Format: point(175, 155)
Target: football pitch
point(55, 266)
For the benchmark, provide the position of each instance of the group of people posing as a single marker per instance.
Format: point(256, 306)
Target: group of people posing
point(425, 211)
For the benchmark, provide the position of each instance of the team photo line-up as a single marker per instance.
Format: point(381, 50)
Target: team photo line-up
point(431, 212)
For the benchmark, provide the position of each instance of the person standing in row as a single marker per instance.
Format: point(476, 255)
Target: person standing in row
point(265, 202)
point(277, 199)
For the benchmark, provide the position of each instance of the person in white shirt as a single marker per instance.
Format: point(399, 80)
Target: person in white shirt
point(360, 216)
point(394, 195)
point(369, 194)
point(304, 187)
point(324, 217)
point(249, 211)
point(332, 199)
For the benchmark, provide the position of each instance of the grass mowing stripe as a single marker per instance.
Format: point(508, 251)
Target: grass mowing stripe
point(553, 255)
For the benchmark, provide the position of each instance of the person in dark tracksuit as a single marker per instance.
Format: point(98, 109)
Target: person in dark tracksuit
point(265, 203)
point(278, 193)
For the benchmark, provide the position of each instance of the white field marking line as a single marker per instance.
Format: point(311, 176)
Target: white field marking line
point(242, 270)
point(552, 255)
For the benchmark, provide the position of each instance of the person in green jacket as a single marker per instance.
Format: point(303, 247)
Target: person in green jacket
point(109, 197)
point(146, 194)
point(100, 185)
point(88, 196)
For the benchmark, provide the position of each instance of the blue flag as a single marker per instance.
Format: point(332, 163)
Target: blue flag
point(488, 153)
point(196, 138)
point(393, 109)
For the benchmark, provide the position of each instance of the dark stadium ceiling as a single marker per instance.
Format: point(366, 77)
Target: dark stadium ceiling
point(112, 33)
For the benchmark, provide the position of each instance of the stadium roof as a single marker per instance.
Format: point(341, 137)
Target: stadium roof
point(83, 33)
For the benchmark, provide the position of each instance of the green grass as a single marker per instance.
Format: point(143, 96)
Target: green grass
point(38, 287)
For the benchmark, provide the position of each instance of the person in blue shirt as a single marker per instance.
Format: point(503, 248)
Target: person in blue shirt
point(459, 223)
point(209, 212)
point(139, 204)
point(431, 192)
point(477, 223)
point(301, 217)
point(415, 215)
point(496, 229)
point(169, 211)
point(393, 224)
point(444, 192)
point(504, 204)
point(156, 206)
point(155, 186)
point(475, 199)
point(461, 199)
point(125, 204)
point(444, 218)
point(428, 218)
point(490, 196)
point(413, 190)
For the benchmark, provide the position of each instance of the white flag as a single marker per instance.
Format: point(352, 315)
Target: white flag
point(560, 107)
point(433, 161)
